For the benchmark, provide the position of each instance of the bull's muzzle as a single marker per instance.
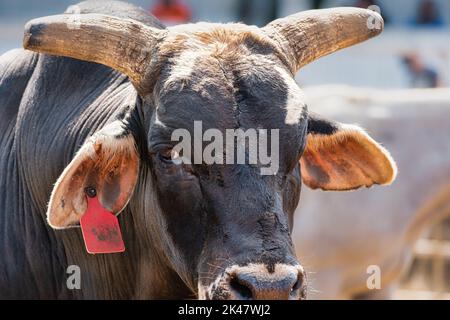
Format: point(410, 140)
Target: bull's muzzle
point(258, 282)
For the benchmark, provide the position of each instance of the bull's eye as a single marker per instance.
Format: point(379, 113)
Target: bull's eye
point(165, 155)
point(169, 156)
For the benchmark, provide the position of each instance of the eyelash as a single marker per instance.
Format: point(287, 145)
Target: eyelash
point(165, 156)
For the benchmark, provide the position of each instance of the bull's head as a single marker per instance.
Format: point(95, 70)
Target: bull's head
point(226, 226)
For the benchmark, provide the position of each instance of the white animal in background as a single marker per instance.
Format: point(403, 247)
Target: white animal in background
point(340, 235)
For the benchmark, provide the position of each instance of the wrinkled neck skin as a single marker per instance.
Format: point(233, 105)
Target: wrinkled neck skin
point(142, 271)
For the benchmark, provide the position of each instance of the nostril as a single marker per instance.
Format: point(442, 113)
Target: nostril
point(255, 282)
point(240, 288)
point(296, 286)
point(299, 283)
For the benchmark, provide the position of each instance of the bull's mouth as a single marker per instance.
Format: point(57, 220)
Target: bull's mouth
point(255, 282)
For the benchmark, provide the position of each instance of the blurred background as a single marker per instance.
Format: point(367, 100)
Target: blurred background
point(412, 55)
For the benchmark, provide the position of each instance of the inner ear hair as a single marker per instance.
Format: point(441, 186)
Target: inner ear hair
point(107, 161)
point(340, 157)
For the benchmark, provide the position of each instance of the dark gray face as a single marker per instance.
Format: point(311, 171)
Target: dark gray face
point(229, 222)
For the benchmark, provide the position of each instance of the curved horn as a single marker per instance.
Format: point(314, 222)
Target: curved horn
point(125, 45)
point(309, 35)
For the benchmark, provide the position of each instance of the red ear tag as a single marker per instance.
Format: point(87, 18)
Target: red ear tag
point(101, 230)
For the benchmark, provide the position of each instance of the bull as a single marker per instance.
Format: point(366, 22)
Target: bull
point(88, 109)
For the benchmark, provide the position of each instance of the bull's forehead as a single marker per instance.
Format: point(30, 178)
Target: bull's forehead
point(228, 77)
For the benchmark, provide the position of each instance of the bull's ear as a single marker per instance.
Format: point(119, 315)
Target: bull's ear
point(107, 162)
point(343, 157)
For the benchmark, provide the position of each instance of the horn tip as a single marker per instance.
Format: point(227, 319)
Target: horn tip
point(33, 31)
point(375, 22)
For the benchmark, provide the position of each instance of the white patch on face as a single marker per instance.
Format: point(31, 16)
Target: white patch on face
point(281, 270)
point(184, 67)
point(295, 102)
point(158, 121)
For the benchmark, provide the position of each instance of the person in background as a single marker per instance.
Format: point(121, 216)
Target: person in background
point(171, 12)
point(422, 76)
point(428, 14)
